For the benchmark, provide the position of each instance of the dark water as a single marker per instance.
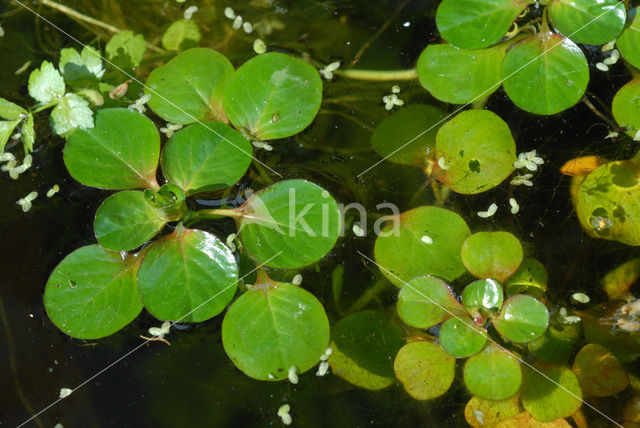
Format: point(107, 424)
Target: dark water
point(193, 383)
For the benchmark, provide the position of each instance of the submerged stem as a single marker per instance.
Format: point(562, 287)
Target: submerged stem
point(379, 75)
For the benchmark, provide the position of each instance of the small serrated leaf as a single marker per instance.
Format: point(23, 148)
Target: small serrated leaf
point(46, 83)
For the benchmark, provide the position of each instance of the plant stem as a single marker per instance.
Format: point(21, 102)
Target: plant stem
point(381, 30)
point(89, 20)
point(595, 111)
point(43, 107)
point(379, 75)
point(370, 294)
point(216, 213)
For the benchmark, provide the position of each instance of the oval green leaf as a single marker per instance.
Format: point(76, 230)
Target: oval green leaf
point(461, 337)
point(492, 254)
point(522, 319)
point(391, 136)
point(483, 294)
point(259, 96)
point(593, 22)
point(530, 278)
point(189, 87)
point(362, 343)
point(548, 399)
point(478, 151)
point(187, 276)
point(475, 24)
point(289, 224)
point(404, 255)
point(426, 301)
point(545, 73)
point(493, 374)
point(459, 76)
point(492, 411)
point(183, 34)
point(599, 372)
point(126, 220)
point(424, 369)
point(608, 202)
point(629, 41)
point(273, 327)
point(626, 107)
point(93, 293)
point(120, 152)
point(206, 156)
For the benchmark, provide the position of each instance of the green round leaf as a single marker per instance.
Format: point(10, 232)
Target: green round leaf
point(259, 96)
point(558, 343)
point(628, 43)
point(492, 254)
point(391, 135)
point(545, 73)
point(522, 319)
point(126, 220)
point(475, 24)
point(593, 22)
point(426, 301)
point(368, 341)
point(478, 151)
point(206, 156)
point(626, 107)
point(403, 254)
point(483, 294)
point(617, 282)
point(599, 372)
point(120, 152)
point(183, 34)
point(608, 202)
point(461, 337)
point(425, 370)
point(545, 399)
point(93, 293)
point(493, 374)
point(187, 276)
point(289, 224)
point(459, 76)
point(273, 327)
point(530, 278)
point(189, 87)
point(492, 411)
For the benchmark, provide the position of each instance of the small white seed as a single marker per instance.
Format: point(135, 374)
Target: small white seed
point(247, 27)
point(602, 66)
point(297, 280)
point(259, 46)
point(292, 376)
point(229, 13)
point(489, 212)
point(427, 239)
point(515, 207)
point(65, 392)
